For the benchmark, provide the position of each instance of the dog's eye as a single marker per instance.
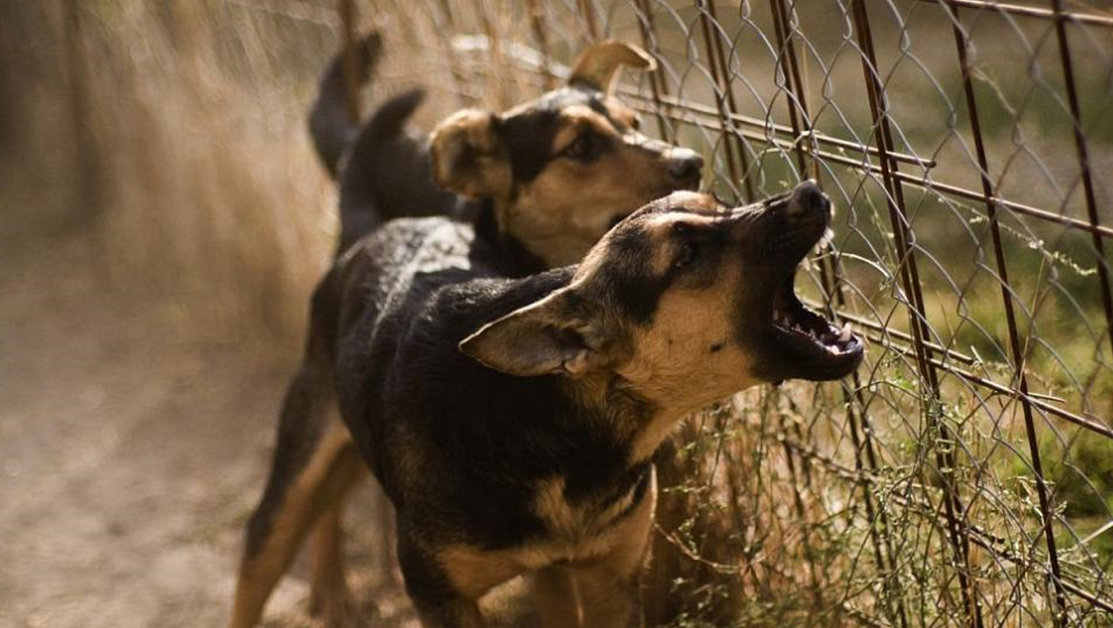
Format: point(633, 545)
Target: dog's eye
point(584, 148)
point(636, 123)
point(688, 254)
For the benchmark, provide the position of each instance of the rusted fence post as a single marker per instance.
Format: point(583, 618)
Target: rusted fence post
point(724, 98)
point(910, 281)
point(1083, 151)
point(658, 82)
point(1018, 355)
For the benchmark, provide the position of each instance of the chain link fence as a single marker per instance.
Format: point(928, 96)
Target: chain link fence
point(964, 476)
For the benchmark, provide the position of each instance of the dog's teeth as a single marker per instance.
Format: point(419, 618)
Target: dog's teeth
point(844, 333)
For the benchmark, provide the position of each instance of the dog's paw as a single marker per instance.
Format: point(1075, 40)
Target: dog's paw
point(334, 607)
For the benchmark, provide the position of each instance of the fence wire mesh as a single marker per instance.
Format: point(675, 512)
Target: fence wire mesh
point(964, 476)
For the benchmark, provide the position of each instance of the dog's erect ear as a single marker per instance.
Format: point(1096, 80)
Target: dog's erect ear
point(542, 338)
point(597, 66)
point(468, 156)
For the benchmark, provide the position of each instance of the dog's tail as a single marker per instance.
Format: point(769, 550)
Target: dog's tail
point(389, 121)
point(330, 121)
point(388, 173)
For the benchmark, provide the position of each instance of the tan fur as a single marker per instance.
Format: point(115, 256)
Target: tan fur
point(321, 483)
point(329, 597)
point(467, 157)
point(598, 65)
point(562, 213)
point(595, 560)
point(675, 355)
point(556, 597)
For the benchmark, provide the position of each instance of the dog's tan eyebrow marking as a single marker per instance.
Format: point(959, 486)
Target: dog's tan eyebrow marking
point(692, 213)
point(573, 126)
point(620, 112)
point(577, 118)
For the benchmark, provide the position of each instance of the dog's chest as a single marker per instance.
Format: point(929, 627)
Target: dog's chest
point(575, 532)
point(581, 528)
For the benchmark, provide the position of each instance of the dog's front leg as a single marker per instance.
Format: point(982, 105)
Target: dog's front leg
point(556, 597)
point(610, 599)
point(609, 587)
point(450, 613)
point(445, 582)
point(437, 603)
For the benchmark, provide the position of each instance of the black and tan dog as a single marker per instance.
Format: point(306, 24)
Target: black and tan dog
point(539, 184)
point(513, 422)
point(544, 180)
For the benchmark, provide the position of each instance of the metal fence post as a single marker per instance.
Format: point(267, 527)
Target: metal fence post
point(1019, 358)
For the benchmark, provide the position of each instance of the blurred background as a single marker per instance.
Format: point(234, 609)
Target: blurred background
point(163, 219)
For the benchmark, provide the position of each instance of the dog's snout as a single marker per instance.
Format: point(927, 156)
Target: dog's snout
point(808, 200)
point(685, 166)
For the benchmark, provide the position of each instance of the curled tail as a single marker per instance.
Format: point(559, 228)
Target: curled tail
point(388, 173)
point(330, 123)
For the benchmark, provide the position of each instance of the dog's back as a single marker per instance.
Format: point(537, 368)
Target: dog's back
point(418, 409)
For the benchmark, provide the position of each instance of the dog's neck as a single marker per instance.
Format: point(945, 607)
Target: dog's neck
point(515, 259)
point(640, 423)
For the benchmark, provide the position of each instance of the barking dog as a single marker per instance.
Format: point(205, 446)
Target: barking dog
point(512, 422)
point(541, 183)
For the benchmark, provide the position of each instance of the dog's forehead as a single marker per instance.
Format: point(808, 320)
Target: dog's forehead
point(568, 103)
point(680, 203)
point(555, 101)
point(640, 237)
point(581, 113)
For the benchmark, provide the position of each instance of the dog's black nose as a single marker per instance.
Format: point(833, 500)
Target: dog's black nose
point(808, 200)
point(685, 166)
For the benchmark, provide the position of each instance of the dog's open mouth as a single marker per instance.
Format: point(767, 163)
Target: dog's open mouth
point(811, 336)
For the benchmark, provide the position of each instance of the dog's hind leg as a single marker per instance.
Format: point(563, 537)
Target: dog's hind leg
point(312, 467)
point(329, 596)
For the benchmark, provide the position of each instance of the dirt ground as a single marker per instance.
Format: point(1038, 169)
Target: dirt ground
point(131, 454)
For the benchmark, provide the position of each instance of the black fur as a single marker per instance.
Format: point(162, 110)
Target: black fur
point(485, 438)
point(330, 123)
point(388, 174)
